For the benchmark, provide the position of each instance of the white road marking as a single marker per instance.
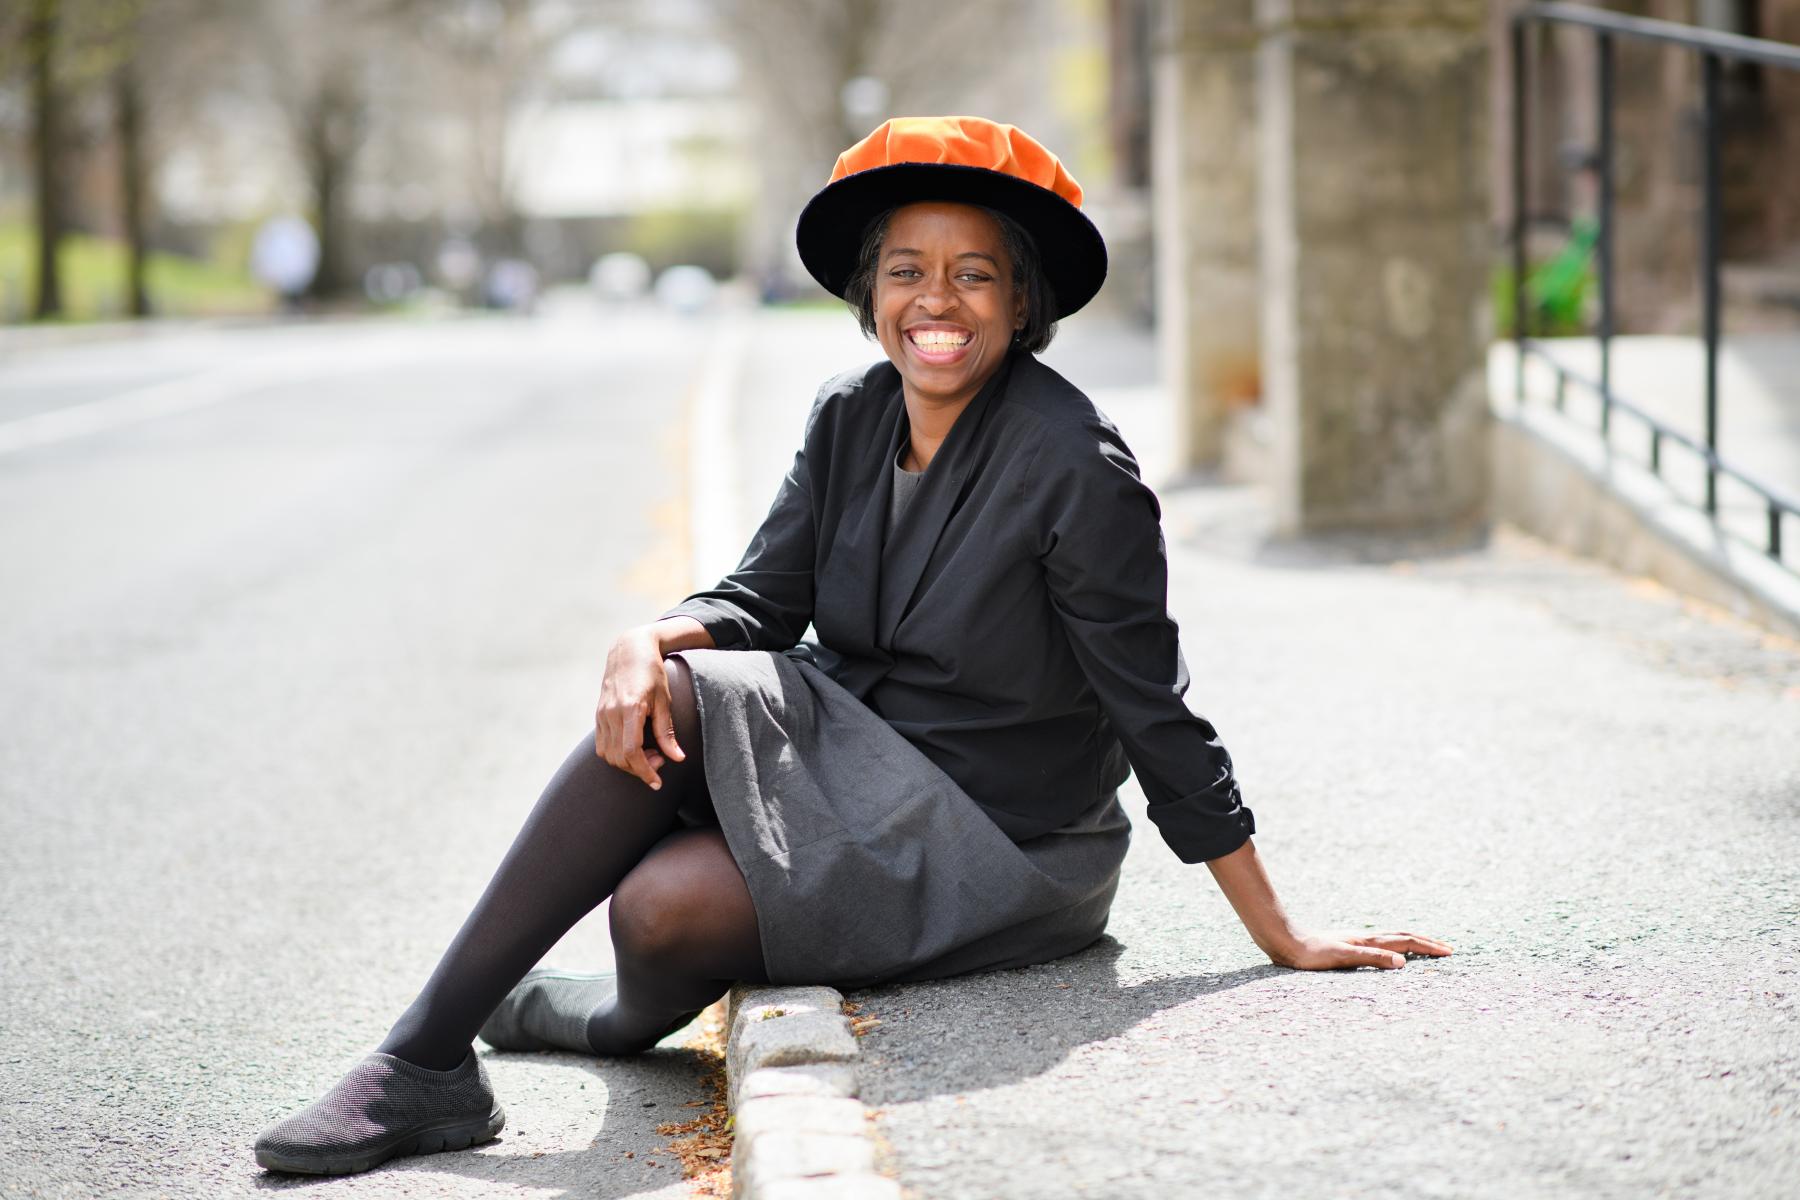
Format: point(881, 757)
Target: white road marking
point(712, 458)
point(319, 358)
point(286, 365)
point(127, 408)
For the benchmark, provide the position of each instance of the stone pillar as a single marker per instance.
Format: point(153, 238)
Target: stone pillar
point(1204, 179)
point(1375, 247)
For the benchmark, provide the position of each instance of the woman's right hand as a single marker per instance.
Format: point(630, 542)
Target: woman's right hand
point(635, 689)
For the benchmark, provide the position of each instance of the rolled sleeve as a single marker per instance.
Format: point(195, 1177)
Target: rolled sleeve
point(1101, 547)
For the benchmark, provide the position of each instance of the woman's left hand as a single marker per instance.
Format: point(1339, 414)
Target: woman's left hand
point(1327, 951)
point(1241, 877)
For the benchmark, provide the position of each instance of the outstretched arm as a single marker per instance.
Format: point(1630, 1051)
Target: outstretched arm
point(1241, 877)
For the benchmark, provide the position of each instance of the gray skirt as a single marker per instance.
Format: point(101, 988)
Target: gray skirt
point(866, 863)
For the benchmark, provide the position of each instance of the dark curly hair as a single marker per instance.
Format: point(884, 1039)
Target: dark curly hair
point(1027, 276)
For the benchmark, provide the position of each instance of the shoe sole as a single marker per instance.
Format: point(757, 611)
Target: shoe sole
point(458, 1134)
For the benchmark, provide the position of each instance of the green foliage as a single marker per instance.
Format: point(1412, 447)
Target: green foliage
point(705, 237)
point(808, 303)
point(1558, 290)
point(94, 280)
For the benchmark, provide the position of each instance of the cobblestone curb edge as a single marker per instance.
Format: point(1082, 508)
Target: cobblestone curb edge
point(790, 1065)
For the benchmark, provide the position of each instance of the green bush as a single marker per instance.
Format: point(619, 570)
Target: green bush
point(704, 237)
point(94, 282)
point(1558, 290)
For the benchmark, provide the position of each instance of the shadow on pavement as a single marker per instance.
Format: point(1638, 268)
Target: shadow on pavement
point(947, 1036)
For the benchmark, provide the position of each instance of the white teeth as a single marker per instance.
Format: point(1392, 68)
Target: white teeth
point(934, 339)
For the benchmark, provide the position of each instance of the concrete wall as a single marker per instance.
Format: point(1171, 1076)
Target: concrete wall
point(1324, 248)
point(1373, 210)
point(1204, 155)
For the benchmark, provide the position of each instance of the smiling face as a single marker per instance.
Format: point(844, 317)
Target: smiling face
point(944, 302)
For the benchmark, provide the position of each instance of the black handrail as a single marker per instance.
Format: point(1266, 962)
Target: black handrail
point(1713, 47)
point(1709, 41)
point(1779, 500)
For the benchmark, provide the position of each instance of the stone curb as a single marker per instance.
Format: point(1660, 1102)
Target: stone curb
point(790, 1069)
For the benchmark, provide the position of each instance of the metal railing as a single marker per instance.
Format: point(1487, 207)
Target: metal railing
point(1714, 48)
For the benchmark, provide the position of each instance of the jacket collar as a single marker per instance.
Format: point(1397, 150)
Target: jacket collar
point(940, 491)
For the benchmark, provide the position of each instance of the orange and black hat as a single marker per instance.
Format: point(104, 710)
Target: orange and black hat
point(970, 160)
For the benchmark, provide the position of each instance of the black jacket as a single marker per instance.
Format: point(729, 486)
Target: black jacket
point(1016, 629)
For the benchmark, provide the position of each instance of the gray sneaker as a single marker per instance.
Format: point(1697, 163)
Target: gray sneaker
point(384, 1108)
point(550, 1009)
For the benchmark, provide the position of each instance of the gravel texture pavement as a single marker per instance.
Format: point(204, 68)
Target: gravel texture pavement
point(1585, 785)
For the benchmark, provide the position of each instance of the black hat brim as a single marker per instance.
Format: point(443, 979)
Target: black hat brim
point(833, 223)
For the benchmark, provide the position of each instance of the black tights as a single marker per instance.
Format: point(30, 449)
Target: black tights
point(683, 927)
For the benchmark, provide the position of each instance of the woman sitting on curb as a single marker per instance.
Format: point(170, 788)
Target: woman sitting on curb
point(928, 786)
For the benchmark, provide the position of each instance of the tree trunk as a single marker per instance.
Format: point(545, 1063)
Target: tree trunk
point(40, 39)
point(333, 135)
point(128, 111)
point(328, 282)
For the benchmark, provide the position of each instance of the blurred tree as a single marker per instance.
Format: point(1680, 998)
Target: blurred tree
point(318, 65)
point(163, 60)
point(128, 108)
point(42, 31)
point(826, 72)
point(492, 60)
point(103, 70)
point(65, 46)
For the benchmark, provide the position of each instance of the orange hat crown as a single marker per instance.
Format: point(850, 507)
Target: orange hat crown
point(964, 142)
point(956, 160)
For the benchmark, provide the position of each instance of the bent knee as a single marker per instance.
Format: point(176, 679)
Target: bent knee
point(653, 912)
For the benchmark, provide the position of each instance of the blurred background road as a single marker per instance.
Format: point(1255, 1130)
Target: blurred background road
point(284, 671)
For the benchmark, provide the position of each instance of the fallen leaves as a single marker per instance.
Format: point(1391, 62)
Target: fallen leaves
point(702, 1145)
point(859, 1024)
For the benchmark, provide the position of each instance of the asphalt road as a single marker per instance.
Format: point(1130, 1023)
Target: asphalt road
point(294, 624)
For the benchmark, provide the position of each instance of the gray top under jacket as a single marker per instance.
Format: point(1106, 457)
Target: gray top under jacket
point(905, 484)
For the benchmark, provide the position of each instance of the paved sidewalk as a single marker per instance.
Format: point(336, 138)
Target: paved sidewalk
point(1586, 785)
